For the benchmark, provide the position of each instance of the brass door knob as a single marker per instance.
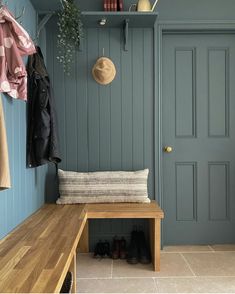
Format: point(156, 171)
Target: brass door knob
point(168, 149)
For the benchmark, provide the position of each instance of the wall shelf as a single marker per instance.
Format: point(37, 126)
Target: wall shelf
point(122, 19)
point(117, 18)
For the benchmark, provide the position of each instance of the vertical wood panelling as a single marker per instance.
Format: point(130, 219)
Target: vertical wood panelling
point(116, 116)
point(27, 192)
point(104, 108)
point(82, 108)
point(148, 109)
point(93, 102)
point(138, 98)
point(116, 102)
point(127, 109)
point(71, 112)
point(107, 127)
point(218, 92)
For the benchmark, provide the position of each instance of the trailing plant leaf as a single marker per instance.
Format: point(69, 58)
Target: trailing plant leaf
point(70, 33)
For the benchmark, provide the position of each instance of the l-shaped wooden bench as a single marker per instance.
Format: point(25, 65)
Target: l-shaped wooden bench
point(35, 257)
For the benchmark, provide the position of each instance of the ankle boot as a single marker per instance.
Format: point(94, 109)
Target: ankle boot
point(143, 250)
point(106, 248)
point(115, 248)
point(98, 249)
point(122, 248)
point(133, 252)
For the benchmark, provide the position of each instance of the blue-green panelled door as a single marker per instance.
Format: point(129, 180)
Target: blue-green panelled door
point(199, 124)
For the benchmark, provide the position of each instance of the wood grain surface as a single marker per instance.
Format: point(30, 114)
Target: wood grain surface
point(35, 257)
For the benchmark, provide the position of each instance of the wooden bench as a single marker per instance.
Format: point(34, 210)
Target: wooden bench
point(36, 256)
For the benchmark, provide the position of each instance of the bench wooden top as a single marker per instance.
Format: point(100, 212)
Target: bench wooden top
point(36, 256)
point(124, 210)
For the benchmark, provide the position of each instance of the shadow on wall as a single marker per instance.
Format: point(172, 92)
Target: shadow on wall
point(52, 185)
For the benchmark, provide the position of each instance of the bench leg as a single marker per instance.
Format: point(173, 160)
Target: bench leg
point(155, 242)
point(83, 245)
point(73, 270)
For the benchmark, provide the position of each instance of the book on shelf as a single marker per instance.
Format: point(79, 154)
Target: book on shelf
point(108, 5)
point(115, 5)
point(105, 5)
point(120, 5)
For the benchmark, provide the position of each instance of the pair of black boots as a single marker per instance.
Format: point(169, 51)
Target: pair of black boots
point(139, 249)
point(102, 249)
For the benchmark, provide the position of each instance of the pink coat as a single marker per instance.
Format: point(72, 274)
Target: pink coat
point(14, 43)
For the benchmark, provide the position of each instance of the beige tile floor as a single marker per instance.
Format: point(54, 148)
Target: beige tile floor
point(184, 269)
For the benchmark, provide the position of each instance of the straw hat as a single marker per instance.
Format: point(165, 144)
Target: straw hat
point(104, 71)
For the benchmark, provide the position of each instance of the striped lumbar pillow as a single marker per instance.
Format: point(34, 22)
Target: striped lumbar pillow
point(101, 187)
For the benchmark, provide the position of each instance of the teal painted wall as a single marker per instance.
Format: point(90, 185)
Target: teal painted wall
point(174, 9)
point(168, 9)
point(106, 127)
point(104, 133)
point(28, 185)
point(113, 127)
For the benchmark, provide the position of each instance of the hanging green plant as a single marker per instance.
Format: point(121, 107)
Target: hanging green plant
point(70, 33)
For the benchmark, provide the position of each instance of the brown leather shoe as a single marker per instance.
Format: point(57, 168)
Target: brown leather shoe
point(144, 251)
point(122, 248)
point(133, 251)
point(115, 248)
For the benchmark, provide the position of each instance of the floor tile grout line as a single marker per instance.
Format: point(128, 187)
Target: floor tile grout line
point(188, 264)
point(157, 278)
point(119, 278)
point(173, 252)
point(193, 277)
point(199, 252)
point(112, 269)
point(156, 284)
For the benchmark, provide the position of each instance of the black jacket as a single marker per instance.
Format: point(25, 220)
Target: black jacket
point(42, 136)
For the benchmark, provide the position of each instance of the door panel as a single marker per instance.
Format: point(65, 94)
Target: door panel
point(199, 124)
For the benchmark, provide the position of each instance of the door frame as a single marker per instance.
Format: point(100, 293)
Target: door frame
point(162, 28)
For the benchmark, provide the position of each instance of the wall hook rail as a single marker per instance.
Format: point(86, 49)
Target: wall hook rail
point(43, 22)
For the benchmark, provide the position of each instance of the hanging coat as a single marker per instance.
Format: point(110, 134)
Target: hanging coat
point(4, 163)
point(42, 137)
point(14, 43)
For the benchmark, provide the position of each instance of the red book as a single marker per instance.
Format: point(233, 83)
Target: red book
point(115, 5)
point(120, 5)
point(105, 5)
point(108, 5)
point(112, 5)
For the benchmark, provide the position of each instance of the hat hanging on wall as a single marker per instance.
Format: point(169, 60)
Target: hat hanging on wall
point(104, 71)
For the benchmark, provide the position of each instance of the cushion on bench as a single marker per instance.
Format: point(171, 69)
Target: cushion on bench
point(103, 187)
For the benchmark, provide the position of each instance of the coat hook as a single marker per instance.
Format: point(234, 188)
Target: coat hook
point(103, 21)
